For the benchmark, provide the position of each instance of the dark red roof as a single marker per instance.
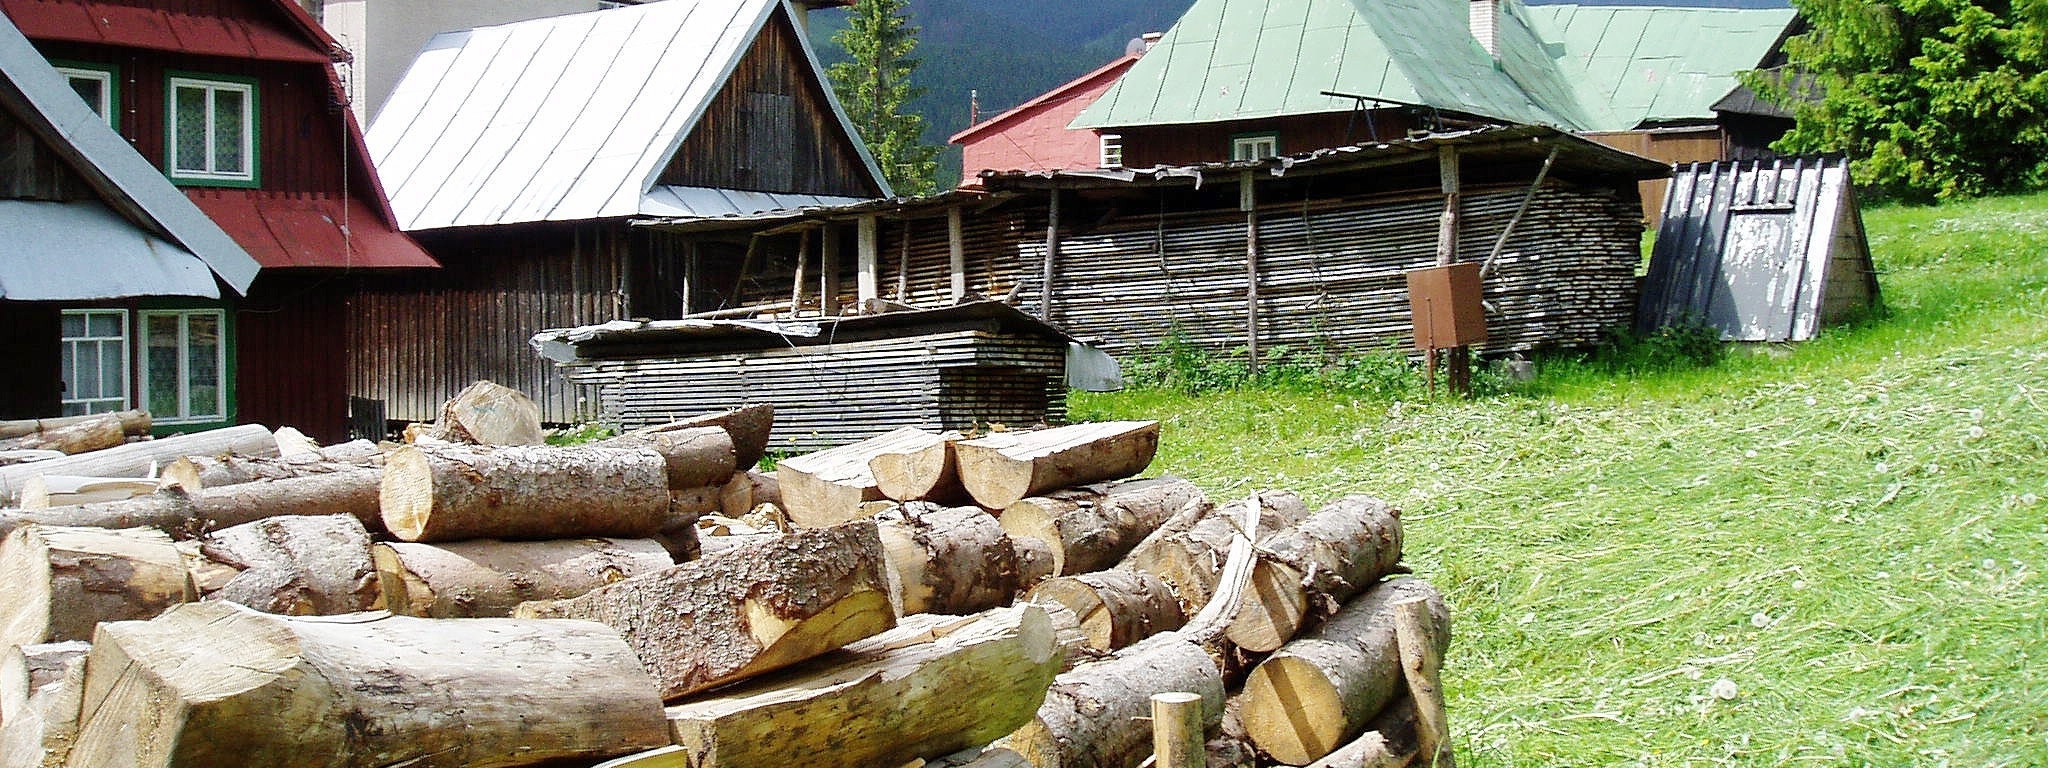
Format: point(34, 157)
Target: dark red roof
point(320, 231)
point(270, 30)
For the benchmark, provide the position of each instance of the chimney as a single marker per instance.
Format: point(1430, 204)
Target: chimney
point(1485, 19)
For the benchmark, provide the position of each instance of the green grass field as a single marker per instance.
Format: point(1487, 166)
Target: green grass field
point(1850, 533)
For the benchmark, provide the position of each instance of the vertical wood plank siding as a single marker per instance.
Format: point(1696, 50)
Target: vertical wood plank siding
point(34, 386)
point(29, 170)
point(291, 352)
point(770, 130)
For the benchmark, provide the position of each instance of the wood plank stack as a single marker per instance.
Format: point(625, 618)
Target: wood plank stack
point(523, 582)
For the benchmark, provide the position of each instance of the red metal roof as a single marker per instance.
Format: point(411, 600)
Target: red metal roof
point(269, 30)
point(284, 230)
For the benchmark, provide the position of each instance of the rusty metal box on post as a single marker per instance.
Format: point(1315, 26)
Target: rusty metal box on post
point(1446, 305)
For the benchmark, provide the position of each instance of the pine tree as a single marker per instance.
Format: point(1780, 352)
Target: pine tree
point(1933, 99)
point(875, 85)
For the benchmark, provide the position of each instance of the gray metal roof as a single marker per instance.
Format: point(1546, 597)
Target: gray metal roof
point(143, 238)
point(687, 203)
point(561, 119)
point(1760, 250)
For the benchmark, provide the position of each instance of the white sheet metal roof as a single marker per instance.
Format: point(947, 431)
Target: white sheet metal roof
point(559, 119)
point(143, 238)
point(709, 203)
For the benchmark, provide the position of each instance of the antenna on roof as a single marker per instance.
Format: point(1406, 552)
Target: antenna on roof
point(973, 107)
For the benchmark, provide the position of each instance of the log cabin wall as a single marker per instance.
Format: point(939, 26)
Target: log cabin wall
point(291, 351)
point(29, 170)
point(1148, 146)
point(1672, 146)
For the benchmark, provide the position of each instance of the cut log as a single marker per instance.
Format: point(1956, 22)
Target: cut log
point(194, 473)
point(12, 457)
point(92, 434)
point(137, 459)
point(291, 443)
point(1321, 689)
point(488, 413)
point(133, 422)
point(1306, 572)
point(930, 687)
point(921, 469)
point(696, 456)
point(480, 579)
point(352, 492)
point(218, 684)
point(828, 487)
point(762, 607)
point(46, 491)
point(1034, 561)
point(61, 581)
point(747, 491)
point(1096, 715)
point(1421, 659)
point(1188, 550)
point(1177, 730)
point(1002, 468)
point(1091, 527)
point(946, 560)
point(26, 669)
point(451, 493)
point(208, 575)
point(714, 546)
point(1116, 607)
point(297, 565)
point(1390, 741)
point(40, 733)
point(748, 426)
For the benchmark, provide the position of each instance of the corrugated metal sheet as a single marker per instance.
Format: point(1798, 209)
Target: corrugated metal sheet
point(1658, 64)
point(87, 251)
point(284, 230)
point(561, 119)
point(1761, 251)
point(281, 32)
point(688, 203)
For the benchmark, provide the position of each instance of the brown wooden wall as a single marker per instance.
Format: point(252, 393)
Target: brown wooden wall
point(33, 387)
point(1145, 147)
point(291, 355)
point(771, 130)
point(1702, 144)
point(30, 170)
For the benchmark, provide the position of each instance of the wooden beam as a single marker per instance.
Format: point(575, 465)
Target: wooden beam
point(903, 259)
point(803, 257)
point(690, 275)
point(1052, 254)
point(868, 250)
point(956, 247)
point(1248, 202)
point(828, 272)
point(1447, 229)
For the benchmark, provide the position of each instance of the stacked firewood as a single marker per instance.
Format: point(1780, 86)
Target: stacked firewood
point(1011, 598)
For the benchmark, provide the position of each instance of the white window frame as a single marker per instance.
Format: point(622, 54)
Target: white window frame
point(249, 116)
point(106, 80)
point(1254, 147)
point(220, 362)
point(1112, 150)
point(93, 405)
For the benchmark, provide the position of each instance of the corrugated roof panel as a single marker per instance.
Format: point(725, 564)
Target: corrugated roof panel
point(82, 250)
point(1653, 64)
point(1273, 68)
point(706, 203)
point(479, 135)
point(530, 137)
point(272, 36)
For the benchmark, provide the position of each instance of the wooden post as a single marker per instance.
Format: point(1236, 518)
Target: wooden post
point(868, 254)
point(803, 257)
point(1414, 636)
point(903, 260)
point(1052, 254)
point(1460, 374)
point(956, 252)
point(690, 276)
point(1247, 201)
point(828, 271)
point(1177, 730)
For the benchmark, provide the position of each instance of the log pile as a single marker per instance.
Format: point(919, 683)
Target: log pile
point(1007, 599)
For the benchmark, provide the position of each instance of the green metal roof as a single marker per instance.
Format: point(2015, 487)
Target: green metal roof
point(1576, 68)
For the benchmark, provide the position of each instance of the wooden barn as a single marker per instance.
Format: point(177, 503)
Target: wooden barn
point(521, 154)
point(236, 103)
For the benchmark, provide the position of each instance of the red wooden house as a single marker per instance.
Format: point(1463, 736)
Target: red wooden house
point(1034, 136)
point(236, 101)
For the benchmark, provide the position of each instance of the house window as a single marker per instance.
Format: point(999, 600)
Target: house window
point(1112, 150)
point(212, 131)
point(95, 361)
point(96, 86)
point(1254, 146)
point(184, 365)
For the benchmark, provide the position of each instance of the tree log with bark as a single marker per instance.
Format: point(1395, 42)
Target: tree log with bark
point(218, 684)
point(696, 456)
point(758, 608)
point(352, 492)
point(62, 581)
point(1116, 607)
point(1188, 550)
point(946, 560)
point(194, 473)
point(297, 565)
point(1306, 572)
point(46, 491)
point(1097, 715)
point(136, 459)
point(92, 434)
point(828, 487)
point(1091, 527)
point(485, 578)
point(1000, 469)
point(488, 413)
point(747, 491)
point(451, 493)
point(133, 422)
point(749, 428)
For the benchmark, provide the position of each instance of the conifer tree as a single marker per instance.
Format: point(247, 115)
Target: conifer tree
point(875, 85)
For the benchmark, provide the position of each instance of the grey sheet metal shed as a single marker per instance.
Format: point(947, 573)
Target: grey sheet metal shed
point(1760, 250)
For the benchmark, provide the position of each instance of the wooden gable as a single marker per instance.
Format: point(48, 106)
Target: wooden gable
point(31, 170)
point(771, 128)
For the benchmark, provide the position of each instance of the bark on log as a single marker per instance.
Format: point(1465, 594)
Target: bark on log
point(482, 579)
point(136, 459)
point(92, 434)
point(1306, 572)
point(1390, 741)
point(451, 493)
point(748, 426)
point(1034, 561)
point(1421, 659)
point(922, 469)
point(747, 491)
point(1116, 607)
point(46, 491)
point(696, 456)
point(12, 457)
point(716, 546)
point(766, 606)
point(930, 687)
point(828, 487)
point(352, 492)
point(946, 560)
point(1188, 550)
point(25, 669)
point(218, 684)
point(1095, 715)
point(194, 473)
point(1320, 690)
point(133, 422)
point(62, 581)
point(301, 566)
point(1091, 527)
point(488, 413)
point(40, 734)
point(1000, 469)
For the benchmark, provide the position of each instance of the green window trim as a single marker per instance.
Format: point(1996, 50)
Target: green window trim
point(222, 408)
point(209, 173)
point(109, 74)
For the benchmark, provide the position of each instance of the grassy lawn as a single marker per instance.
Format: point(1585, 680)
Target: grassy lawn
point(1845, 540)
